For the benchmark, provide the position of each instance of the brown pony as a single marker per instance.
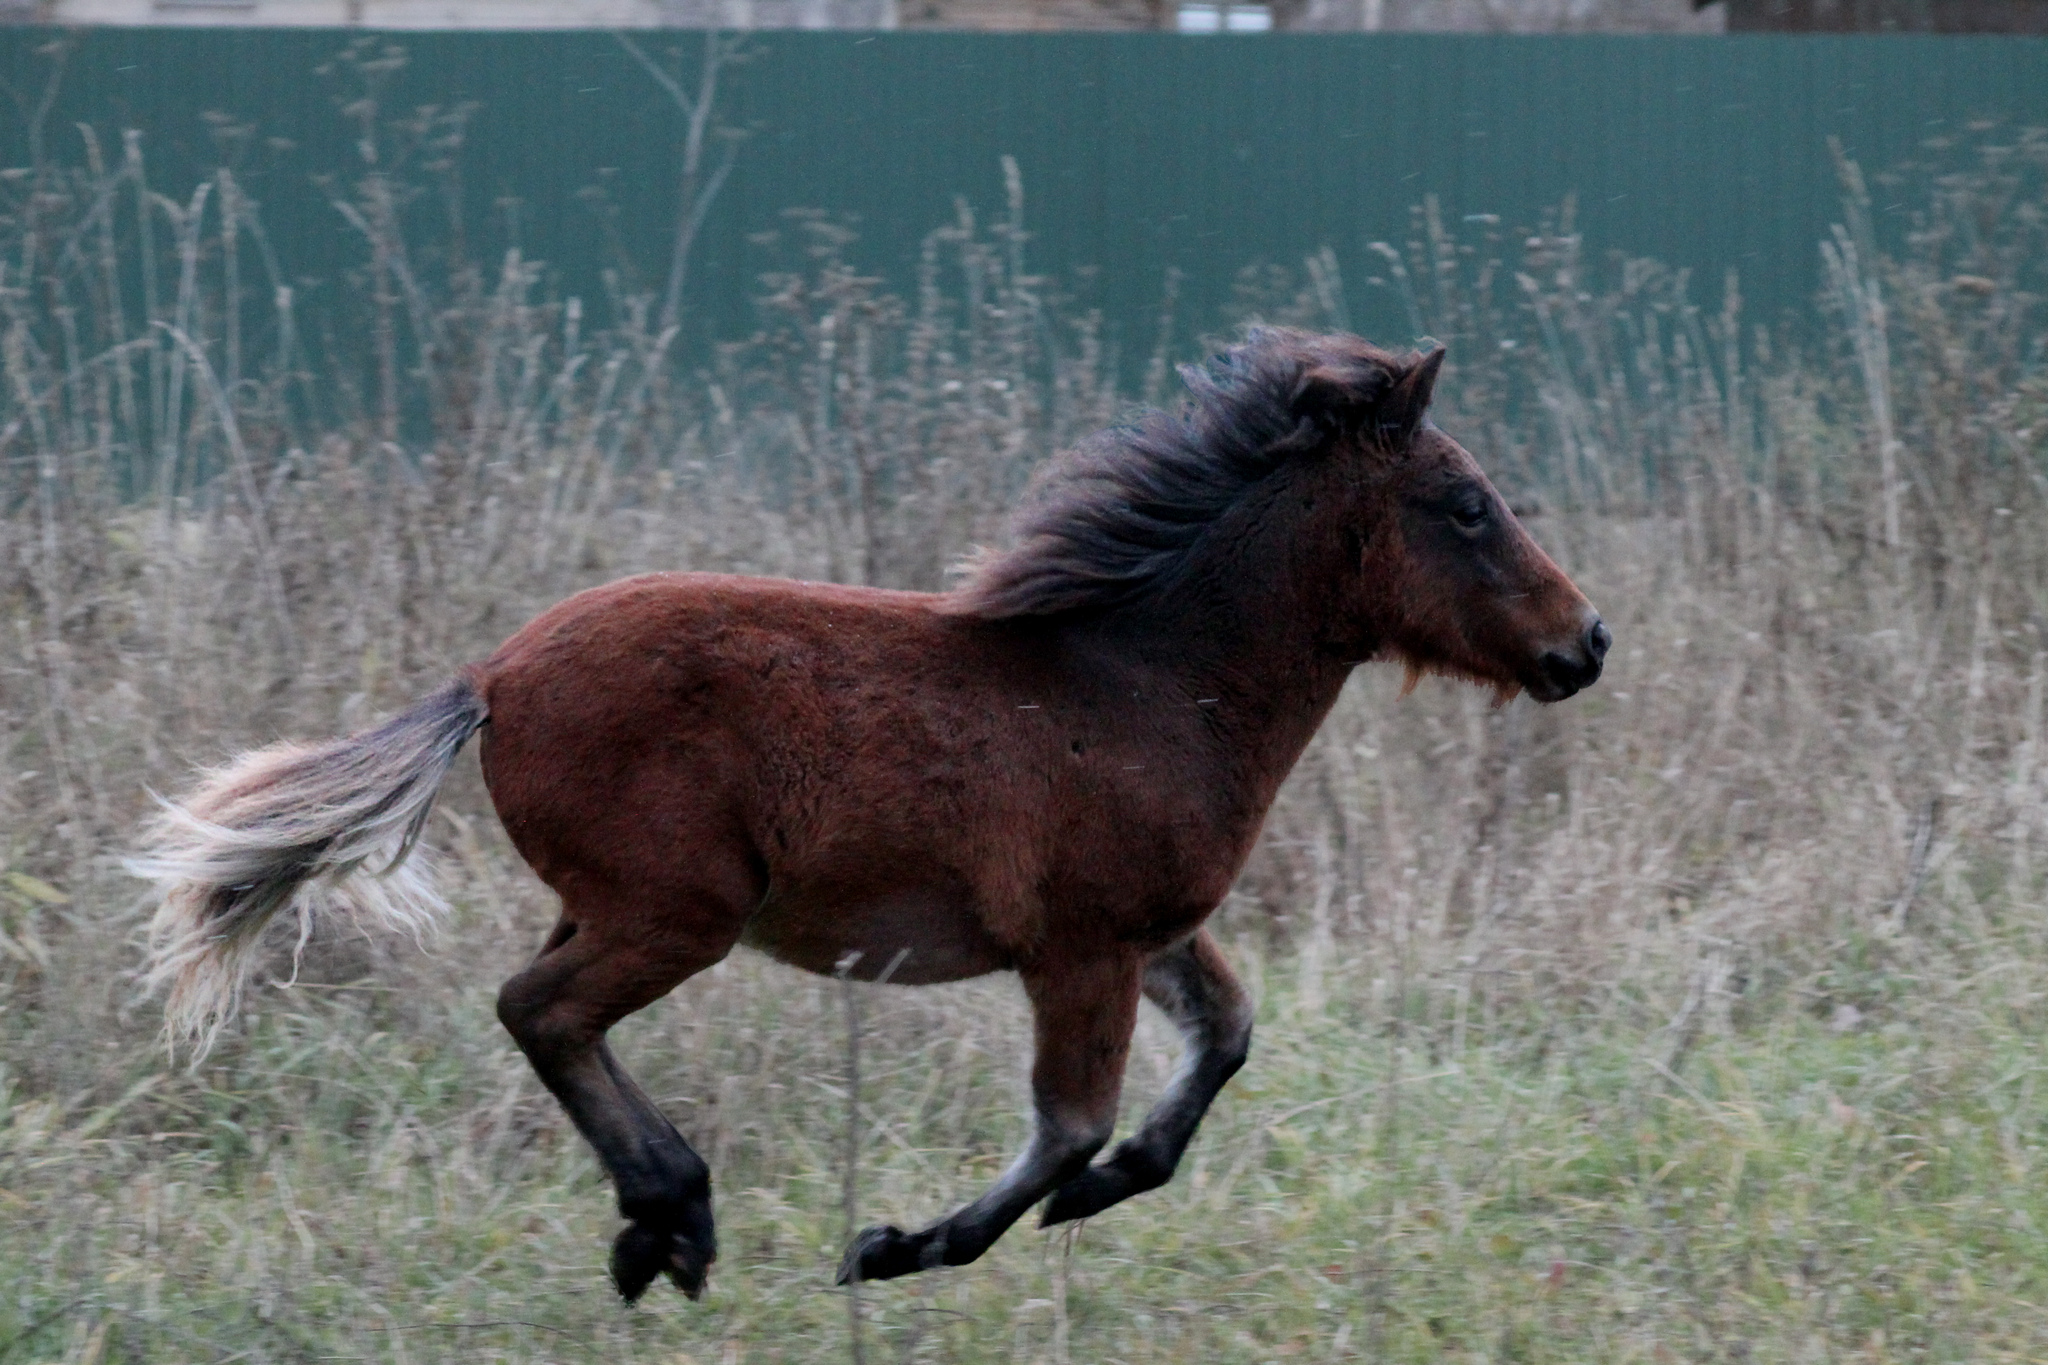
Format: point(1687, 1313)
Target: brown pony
point(1056, 769)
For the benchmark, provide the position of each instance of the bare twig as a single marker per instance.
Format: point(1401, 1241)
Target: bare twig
point(695, 191)
point(849, 1190)
point(1924, 823)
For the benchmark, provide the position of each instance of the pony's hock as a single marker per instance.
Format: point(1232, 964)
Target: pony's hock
point(1056, 770)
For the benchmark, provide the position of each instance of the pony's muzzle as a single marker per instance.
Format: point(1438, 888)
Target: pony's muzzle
point(1568, 671)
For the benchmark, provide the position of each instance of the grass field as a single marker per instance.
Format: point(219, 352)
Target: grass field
point(341, 1191)
point(1696, 1019)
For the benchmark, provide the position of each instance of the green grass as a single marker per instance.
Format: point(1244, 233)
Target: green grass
point(334, 1191)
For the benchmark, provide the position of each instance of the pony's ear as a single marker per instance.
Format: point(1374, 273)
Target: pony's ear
point(1340, 394)
point(1408, 400)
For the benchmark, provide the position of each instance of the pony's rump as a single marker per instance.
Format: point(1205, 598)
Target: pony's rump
point(294, 827)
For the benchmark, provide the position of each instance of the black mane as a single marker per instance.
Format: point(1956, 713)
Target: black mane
point(1117, 514)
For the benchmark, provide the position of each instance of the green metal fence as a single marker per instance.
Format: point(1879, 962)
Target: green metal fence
point(1137, 152)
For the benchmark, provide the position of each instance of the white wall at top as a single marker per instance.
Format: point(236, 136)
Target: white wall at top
point(1512, 16)
point(471, 14)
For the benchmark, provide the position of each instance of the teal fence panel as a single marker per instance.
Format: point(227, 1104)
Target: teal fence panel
point(1138, 152)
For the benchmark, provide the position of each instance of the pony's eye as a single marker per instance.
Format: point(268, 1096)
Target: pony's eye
point(1470, 516)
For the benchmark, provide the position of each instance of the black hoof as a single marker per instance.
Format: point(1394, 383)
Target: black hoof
point(643, 1252)
point(886, 1252)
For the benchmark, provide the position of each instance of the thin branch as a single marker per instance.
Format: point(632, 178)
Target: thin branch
point(656, 70)
point(686, 238)
point(849, 1193)
point(695, 196)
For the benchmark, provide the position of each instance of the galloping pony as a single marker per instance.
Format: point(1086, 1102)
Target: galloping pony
point(1055, 769)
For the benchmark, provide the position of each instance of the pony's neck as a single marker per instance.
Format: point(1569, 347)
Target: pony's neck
point(1252, 638)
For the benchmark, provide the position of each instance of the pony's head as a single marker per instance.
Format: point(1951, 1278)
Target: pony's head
point(1448, 580)
point(1302, 478)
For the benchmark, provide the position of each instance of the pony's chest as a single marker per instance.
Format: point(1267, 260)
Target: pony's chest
point(1151, 868)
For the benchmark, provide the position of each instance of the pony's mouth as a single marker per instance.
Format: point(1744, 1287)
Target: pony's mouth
point(1547, 689)
point(1554, 675)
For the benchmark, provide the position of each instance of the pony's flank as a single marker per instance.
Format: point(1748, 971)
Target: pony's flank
point(301, 829)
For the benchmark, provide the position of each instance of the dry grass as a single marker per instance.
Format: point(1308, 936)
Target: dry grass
point(1693, 1019)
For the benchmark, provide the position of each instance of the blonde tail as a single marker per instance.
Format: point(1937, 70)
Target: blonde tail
point(294, 827)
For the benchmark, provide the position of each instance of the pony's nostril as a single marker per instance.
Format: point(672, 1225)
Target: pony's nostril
point(1599, 639)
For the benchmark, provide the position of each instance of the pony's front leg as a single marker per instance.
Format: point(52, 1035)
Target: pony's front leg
point(1083, 1012)
point(1194, 986)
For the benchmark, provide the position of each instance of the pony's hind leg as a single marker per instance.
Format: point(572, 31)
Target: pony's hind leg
point(596, 969)
point(1083, 1014)
point(1194, 986)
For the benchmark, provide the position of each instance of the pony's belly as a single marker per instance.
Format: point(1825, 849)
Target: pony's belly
point(928, 939)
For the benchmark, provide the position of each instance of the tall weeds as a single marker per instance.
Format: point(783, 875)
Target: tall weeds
point(1817, 560)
